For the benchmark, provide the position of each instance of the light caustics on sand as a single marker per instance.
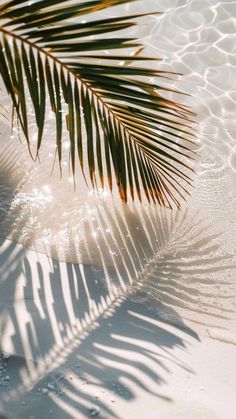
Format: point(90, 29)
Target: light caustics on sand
point(71, 223)
point(44, 212)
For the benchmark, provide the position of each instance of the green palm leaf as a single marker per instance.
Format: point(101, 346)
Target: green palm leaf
point(136, 137)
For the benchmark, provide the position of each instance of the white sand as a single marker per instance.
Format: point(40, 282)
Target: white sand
point(83, 340)
point(74, 346)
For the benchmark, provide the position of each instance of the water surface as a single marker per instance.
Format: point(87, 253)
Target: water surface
point(42, 211)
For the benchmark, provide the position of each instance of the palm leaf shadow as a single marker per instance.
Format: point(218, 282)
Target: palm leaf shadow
point(101, 317)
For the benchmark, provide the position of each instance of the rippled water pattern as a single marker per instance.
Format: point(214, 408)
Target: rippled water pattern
point(196, 38)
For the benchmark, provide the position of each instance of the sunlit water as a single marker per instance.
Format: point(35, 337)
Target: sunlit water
point(185, 259)
point(42, 211)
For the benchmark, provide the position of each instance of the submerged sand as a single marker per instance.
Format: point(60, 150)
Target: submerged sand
point(147, 330)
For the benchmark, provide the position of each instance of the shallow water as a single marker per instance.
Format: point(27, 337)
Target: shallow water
point(178, 319)
point(44, 212)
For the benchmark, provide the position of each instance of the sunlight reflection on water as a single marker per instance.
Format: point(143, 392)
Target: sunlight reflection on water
point(41, 211)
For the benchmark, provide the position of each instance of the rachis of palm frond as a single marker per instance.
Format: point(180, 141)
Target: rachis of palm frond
point(135, 136)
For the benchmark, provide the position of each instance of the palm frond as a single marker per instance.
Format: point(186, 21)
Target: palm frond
point(132, 129)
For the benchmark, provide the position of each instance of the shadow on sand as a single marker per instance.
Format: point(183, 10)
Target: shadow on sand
point(89, 336)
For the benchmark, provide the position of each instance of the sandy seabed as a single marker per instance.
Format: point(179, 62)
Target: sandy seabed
point(144, 326)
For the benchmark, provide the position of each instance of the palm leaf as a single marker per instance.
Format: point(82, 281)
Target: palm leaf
point(132, 129)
